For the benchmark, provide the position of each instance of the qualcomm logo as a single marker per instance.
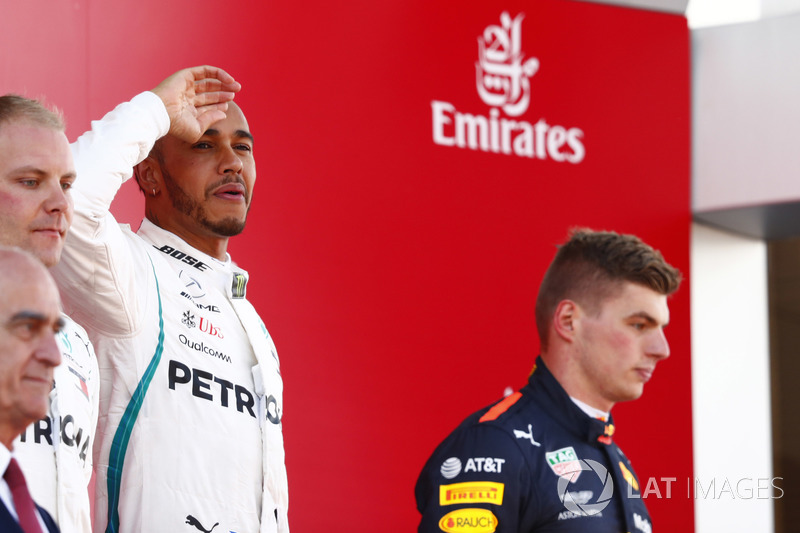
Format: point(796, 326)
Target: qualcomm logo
point(503, 81)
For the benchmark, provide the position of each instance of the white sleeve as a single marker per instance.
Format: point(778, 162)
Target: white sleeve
point(99, 266)
point(106, 154)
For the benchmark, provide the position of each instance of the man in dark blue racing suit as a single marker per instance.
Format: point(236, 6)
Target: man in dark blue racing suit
point(543, 459)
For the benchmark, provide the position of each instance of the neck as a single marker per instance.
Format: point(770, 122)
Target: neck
point(590, 410)
point(209, 243)
point(573, 381)
point(7, 437)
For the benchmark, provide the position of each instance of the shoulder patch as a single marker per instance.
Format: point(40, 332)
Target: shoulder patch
point(501, 407)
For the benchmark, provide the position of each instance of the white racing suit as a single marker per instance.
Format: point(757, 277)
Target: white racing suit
point(189, 436)
point(55, 453)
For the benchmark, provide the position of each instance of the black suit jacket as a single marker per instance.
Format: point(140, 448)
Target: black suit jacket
point(9, 525)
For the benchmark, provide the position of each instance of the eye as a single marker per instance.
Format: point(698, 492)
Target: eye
point(66, 185)
point(243, 147)
point(29, 183)
point(25, 330)
point(202, 145)
point(639, 326)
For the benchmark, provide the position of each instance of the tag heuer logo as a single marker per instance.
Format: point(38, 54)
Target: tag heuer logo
point(564, 463)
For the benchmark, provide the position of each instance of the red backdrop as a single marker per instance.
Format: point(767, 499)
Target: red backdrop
point(398, 275)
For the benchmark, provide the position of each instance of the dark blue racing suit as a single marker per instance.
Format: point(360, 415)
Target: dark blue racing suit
point(532, 462)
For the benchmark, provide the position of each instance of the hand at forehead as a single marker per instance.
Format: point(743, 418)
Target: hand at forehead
point(195, 98)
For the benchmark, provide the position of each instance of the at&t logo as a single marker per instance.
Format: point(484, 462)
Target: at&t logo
point(503, 81)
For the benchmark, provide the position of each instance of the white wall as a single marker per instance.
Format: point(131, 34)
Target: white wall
point(745, 81)
point(668, 6)
point(730, 381)
point(772, 8)
point(703, 13)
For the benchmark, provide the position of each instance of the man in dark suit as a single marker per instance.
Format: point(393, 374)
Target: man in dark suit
point(30, 316)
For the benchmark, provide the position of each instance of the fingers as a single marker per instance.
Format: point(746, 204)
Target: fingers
point(195, 98)
point(187, 83)
point(209, 98)
point(207, 85)
point(210, 114)
point(215, 77)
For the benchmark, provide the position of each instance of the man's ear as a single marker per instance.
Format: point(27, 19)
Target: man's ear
point(565, 320)
point(148, 174)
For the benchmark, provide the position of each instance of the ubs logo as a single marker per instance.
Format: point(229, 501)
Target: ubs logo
point(207, 327)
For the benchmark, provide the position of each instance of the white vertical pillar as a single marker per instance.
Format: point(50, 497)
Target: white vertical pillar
point(730, 383)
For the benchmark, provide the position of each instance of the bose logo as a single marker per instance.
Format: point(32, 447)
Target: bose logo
point(188, 259)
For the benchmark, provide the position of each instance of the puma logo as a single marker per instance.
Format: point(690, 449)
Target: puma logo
point(192, 521)
point(529, 435)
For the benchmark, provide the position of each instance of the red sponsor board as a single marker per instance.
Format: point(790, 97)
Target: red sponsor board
point(413, 183)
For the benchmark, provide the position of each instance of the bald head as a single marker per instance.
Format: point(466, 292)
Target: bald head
point(18, 266)
point(30, 317)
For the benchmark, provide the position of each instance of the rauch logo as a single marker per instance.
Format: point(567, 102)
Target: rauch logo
point(503, 81)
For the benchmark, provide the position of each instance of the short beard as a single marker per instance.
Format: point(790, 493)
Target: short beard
point(183, 203)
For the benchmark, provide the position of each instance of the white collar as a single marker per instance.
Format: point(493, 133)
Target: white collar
point(5, 458)
point(158, 234)
point(593, 412)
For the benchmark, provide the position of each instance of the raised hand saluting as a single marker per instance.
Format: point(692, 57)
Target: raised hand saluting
point(195, 98)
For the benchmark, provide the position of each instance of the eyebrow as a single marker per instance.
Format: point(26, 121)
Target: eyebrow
point(238, 133)
point(646, 316)
point(24, 316)
point(39, 172)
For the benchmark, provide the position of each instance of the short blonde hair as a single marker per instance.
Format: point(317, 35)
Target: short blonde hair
point(16, 107)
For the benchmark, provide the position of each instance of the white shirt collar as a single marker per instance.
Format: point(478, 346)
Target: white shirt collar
point(591, 411)
point(5, 458)
point(155, 234)
point(5, 492)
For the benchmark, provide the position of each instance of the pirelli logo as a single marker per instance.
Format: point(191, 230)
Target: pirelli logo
point(472, 492)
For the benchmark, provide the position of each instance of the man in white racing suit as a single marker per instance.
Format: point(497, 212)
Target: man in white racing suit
point(189, 435)
point(36, 173)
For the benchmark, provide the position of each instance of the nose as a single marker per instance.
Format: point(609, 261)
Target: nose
point(48, 351)
point(657, 345)
point(57, 200)
point(230, 162)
